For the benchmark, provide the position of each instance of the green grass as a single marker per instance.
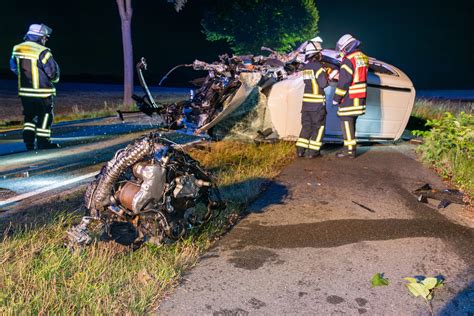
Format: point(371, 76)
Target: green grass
point(38, 275)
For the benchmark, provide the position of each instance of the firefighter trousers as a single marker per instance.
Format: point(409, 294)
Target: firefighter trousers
point(348, 127)
point(38, 113)
point(312, 131)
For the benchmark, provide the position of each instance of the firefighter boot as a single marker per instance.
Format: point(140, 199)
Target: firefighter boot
point(30, 146)
point(46, 144)
point(346, 153)
point(310, 154)
point(29, 138)
point(300, 151)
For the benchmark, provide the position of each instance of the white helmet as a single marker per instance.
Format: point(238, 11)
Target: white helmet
point(39, 30)
point(344, 41)
point(314, 46)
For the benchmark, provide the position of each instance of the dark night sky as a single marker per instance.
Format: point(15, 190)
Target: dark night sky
point(432, 41)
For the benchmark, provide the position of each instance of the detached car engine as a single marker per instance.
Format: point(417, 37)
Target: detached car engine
point(153, 186)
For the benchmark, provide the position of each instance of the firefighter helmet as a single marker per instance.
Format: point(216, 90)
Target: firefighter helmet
point(39, 30)
point(313, 47)
point(344, 42)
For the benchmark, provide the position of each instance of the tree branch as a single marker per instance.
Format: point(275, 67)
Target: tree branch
point(129, 10)
point(121, 9)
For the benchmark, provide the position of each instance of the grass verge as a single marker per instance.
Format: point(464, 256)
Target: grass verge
point(449, 147)
point(434, 109)
point(70, 111)
point(75, 113)
point(38, 275)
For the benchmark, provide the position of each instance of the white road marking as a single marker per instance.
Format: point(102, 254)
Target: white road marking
point(47, 188)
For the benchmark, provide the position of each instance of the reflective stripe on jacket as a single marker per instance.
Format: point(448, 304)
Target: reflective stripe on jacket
point(36, 69)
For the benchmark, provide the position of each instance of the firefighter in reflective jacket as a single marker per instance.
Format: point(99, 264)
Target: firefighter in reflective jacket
point(351, 91)
point(313, 111)
point(37, 72)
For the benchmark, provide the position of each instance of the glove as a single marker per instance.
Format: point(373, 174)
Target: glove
point(334, 103)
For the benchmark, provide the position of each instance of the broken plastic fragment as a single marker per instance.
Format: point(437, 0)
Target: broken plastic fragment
point(425, 187)
point(422, 199)
point(444, 203)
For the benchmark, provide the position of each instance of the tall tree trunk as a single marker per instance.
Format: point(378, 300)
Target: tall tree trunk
point(125, 10)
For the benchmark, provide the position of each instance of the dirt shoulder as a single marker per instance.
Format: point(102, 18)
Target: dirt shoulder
point(310, 247)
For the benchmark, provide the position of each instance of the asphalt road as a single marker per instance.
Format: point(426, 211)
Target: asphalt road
point(310, 248)
point(86, 145)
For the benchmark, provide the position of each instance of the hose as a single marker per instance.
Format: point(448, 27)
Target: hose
point(173, 69)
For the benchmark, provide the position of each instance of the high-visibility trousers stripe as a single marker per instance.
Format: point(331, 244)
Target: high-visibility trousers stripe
point(302, 142)
point(35, 95)
point(350, 139)
point(302, 145)
point(320, 135)
point(44, 130)
point(42, 90)
point(45, 120)
point(348, 130)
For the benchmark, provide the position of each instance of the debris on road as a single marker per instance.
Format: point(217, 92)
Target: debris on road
point(364, 207)
point(153, 186)
point(446, 197)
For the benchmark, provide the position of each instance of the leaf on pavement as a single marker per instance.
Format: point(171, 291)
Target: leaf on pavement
point(379, 280)
point(418, 289)
point(430, 283)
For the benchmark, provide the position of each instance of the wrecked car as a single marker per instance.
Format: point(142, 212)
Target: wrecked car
point(390, 100)
point(260, 98)
point(153, 186)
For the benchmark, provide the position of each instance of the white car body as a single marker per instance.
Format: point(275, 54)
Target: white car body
point(390, 100)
